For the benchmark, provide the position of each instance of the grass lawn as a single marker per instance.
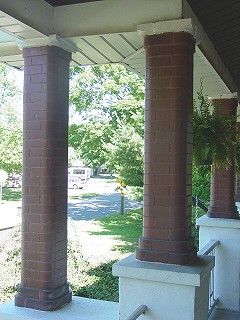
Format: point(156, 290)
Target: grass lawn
point(86, 279)
point(11, 194)
point(85, 195)
point(97, 282)
point(93, 281)
point(127, 228)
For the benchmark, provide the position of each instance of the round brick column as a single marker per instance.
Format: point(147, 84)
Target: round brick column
point(222, 198)
point(237, 190)
point(44, 283)
point(168, 149)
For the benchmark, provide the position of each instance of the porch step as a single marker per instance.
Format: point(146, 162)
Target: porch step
point(219, 314)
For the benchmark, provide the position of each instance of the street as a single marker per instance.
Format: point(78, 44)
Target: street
point(107, 202)
point(98, 207)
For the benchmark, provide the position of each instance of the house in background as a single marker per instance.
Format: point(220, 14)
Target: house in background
point(173, 44)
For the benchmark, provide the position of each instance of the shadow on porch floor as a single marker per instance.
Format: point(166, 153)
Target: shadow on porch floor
point(224, 315)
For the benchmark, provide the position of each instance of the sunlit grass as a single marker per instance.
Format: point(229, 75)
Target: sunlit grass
point(11, 194)
point(127, 228)
point(84, 196)
point(86, 280)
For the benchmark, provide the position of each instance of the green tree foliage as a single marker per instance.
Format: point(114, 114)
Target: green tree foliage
point(99, 87)
point(91, 138)
point(214, 135)
point(214, 141)
point(126, 150)
point(10, 122)
point(201, 180)
point(110, 101)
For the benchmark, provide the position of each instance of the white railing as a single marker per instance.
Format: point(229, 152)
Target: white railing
point(209, 249)
point(137, 313)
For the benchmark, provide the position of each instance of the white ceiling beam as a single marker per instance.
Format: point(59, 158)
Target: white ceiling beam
point(112, 16)
point(37, 14)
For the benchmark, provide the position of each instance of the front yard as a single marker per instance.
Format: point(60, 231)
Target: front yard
point(89, 266)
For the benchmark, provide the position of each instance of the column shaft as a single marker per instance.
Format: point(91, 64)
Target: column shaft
point(222, 198)
point(168, 150)
point(45, 158)
point(237, 190)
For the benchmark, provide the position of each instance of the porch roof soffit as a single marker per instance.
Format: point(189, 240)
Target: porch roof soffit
point(98, 32)
point(110, 36)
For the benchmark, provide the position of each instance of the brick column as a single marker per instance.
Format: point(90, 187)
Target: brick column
point(237, 190)
point(168, 149)
point(222, 198)
point(44, 283)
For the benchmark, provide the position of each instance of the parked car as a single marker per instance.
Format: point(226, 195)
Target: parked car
point(76, 183)
point(82, 172)
point(14, 181)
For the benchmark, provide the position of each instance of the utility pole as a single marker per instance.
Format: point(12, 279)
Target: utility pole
point(122, 189)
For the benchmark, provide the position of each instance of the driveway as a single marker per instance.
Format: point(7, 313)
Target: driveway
point(105, 204)
point(98, 207)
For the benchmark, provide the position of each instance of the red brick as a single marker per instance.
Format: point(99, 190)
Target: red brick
point(222, 202)
point(168, 147)
point(155, 233)
point(31, 69)
point(161, 60)
point(159, 39)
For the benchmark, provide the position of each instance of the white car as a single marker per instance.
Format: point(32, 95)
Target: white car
point(76, 183)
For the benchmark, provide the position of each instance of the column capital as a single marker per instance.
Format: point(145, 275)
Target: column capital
point(52, 40)
point(180, 25)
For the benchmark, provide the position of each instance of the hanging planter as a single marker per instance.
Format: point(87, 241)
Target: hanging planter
point(214, 135)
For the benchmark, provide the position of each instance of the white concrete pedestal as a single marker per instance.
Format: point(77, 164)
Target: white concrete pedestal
point(171, 292)
point(227, 254)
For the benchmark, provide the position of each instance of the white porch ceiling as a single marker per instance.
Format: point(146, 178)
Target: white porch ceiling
point(92, 48)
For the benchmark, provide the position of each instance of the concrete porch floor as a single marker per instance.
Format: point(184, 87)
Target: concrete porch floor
point(85, 309)
point(79, 308)
point(224, 315)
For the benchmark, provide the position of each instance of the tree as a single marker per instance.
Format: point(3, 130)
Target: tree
point(126, 155)
point(10, 122)
point(201, 182)
point(99, 87)
point(110, 102)
point(90, 139)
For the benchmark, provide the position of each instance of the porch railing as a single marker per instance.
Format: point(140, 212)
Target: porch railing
point(209, 249)
point(137, 313)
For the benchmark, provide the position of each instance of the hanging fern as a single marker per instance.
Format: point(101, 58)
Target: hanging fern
point(214, 135)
